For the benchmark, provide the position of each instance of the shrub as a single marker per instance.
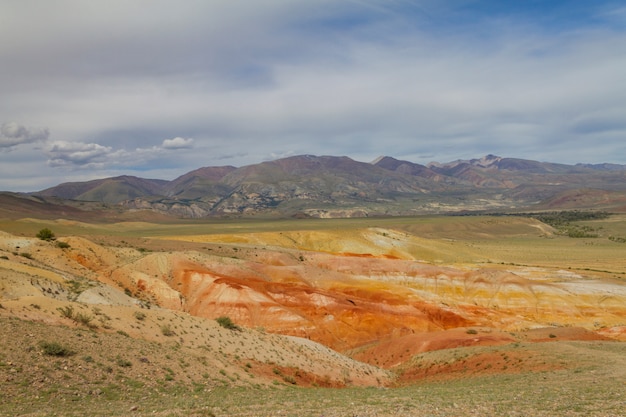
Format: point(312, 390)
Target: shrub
point(167, 330)
point(80, 318)
point(26, 255)
point(63, 245)
point(227, 323)
point(471, 331)
point(55, 349)
point(45, 234)
point(67, 312)
point(84, 319)
point(124, 363)
point(289, 379)
point(140, 315)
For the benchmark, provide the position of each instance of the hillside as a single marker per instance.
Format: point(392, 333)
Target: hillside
point(131, 308)
point(330, 186)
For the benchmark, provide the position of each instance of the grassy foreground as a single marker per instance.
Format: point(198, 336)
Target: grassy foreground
point(587, 393)
point(591, 382)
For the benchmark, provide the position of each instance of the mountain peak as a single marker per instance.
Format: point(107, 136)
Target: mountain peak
point(486, 161)
point(377, 160)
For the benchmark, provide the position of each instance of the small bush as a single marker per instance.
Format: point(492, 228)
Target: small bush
point(289, 379)
point(62, 245)
point(471, 331)
point(140, 315)
point(55, 349)
point(26, 255)
point(84, 319)
point(227, 323)
point(80, 318)
point(167, 330)
point(67, 312)
point(124, 363)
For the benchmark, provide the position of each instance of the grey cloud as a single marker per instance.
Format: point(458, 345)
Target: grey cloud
point(250, 81)
point(81, 155)
point(608, 120)
point(88, 155)
point(13, 134)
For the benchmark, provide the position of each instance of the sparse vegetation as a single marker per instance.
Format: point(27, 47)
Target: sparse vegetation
point(139, 315)
point(78, 317)
point(227, 323)
point(67, 312)
point(84, 319)
point(205, 369)
point(55, 349)
point(167, 330)
point(45, 234)
point(563, 222)
point(62, 245)
point(124, 363)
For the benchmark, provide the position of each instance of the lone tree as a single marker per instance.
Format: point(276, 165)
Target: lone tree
point(45, 234)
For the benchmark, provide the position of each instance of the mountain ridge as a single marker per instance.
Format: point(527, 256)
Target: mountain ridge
point(338, 186)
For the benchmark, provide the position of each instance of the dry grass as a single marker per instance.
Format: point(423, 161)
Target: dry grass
point(134, 377)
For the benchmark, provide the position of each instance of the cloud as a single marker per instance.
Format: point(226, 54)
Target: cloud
point(255, 80)
point(13, 134)
point(79, 154)
point(177, 143)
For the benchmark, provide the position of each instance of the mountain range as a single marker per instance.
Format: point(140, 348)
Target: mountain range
point(338, 186)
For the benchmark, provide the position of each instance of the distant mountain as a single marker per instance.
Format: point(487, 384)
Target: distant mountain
point(108, 190)
point(333, 186)
point(199, 183)
point(410, 168)
point(604, 167)
point(15, 206)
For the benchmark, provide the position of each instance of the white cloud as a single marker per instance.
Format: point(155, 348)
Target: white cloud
point(13, 134)
point(177, 143)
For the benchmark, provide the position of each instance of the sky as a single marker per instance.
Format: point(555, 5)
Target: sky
point(157, 88)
